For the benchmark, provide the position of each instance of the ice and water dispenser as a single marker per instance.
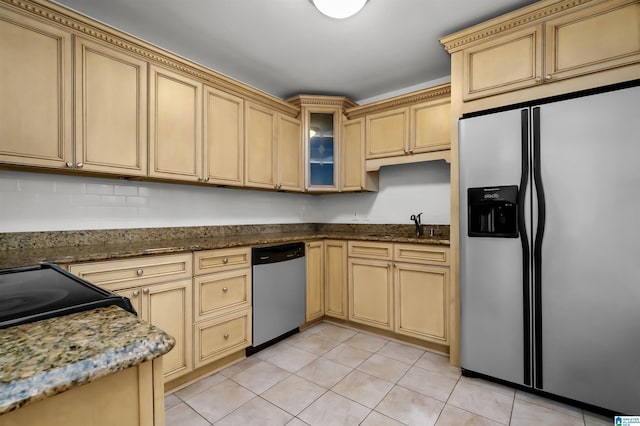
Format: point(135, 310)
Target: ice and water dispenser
point(493, 211)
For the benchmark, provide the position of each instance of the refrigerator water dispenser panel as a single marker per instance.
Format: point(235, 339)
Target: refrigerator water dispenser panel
point(493, 211)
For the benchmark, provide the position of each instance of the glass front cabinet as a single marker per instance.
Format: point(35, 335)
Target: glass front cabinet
point(322, 118)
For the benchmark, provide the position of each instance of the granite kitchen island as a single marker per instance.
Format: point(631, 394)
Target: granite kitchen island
point(97, 367)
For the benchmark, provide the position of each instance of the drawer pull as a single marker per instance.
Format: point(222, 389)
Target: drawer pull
point(225, 260)
point(139, 272)
point(225, 289)
point(226, 336)
point(135, 293)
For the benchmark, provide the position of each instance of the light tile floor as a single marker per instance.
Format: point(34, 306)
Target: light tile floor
point(332, 375)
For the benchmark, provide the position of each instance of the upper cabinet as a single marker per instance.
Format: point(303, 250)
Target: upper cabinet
point(406, 129)
point(333, 145)
point(273, 149)
point(35, 93)
point(550, 41)
point(111, 110)
point(175, 125)
point(223, 138)
point(260, 143)
point(289, 164)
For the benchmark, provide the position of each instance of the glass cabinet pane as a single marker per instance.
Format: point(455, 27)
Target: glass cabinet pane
point(321, 155)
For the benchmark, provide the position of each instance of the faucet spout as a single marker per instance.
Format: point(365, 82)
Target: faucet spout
point(416, 220)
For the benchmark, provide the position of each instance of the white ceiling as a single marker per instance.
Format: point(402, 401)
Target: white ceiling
point(286, 47)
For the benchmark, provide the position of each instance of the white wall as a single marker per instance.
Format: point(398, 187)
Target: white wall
point(49, 202)
point(404, 190)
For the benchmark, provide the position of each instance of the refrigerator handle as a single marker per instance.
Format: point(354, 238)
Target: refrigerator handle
point(524, 240)
point(537, 250)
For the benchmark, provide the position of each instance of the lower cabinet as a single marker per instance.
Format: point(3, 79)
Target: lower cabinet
point(168, 307)
point(160, 290)
point(371, 292)
point(315, 280)
point(221, 336)
point(222, 303)
point(335, 279)
point(421, 301)
point(402, 288)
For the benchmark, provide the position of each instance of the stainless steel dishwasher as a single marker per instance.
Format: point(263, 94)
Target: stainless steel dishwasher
point(279, 293)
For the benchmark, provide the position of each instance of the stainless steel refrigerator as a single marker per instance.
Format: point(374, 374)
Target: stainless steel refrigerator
point(550, 247)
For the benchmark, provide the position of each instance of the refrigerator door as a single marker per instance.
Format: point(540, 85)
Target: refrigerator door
point(493, 328)
point(590, 281)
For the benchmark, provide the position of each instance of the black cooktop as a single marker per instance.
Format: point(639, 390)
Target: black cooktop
point(34, 293)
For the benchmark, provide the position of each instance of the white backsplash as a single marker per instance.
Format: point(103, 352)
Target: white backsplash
point(51, 202)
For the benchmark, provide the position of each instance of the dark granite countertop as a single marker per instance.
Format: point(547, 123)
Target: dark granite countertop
point(44, 358)
point(82, 246)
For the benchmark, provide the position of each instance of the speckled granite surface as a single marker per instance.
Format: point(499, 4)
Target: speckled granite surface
point(29, 248)
point(44, 358)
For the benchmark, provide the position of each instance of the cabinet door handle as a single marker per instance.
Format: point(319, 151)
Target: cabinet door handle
point(225, 260)
point(139, 272)
point(548, 77)
point(80, 165)
point(69, 164)
point(145, 290)
point(135, 293)
point(411, 151)
point(406, 152)
point(226, 336)
point(225, 289)
point(538, 78)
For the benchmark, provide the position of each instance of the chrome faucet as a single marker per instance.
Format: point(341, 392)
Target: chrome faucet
point(416, 220)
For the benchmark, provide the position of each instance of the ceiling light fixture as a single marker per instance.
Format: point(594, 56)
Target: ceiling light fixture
point(339, 9)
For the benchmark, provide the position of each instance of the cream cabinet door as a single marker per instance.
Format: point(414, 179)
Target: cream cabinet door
point(387, 133)
point(260, 146)
point(35, 89)
point(221, 336)
point(371, 292)
point(503, 64)
point(592, 39)
point(111, 110)
point(335, 288)
point(221, 292)
point(175, 126)
point(430, 126)
point(289, 153)
point(223, 138)
point(169, 307)
point(315, 280)
point(421, 300)
point(352, 161)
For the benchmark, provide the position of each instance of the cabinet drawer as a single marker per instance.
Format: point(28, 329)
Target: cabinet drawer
point(221, 260)
point(217, 292)
point(421, 254)
point(370, 250)
point(222, 336)
point(120, 274)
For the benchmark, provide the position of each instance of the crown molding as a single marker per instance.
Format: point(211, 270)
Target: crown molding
point(80, 25)
point(442, 92)
point(527, 15)
point(321, 101)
